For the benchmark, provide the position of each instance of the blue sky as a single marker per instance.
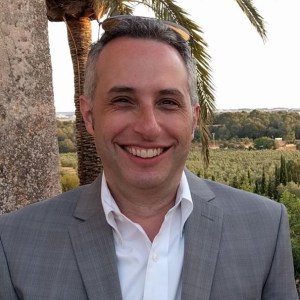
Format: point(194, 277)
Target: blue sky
point(247, 73)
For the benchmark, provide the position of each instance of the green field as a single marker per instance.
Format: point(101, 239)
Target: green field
point(226, 164)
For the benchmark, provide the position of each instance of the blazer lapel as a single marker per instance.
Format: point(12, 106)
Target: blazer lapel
point(93, 245)
point(202, 234)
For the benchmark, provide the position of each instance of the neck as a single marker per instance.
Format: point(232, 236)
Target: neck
point(145, 207)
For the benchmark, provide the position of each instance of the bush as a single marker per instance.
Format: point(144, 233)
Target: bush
point(66, 136)
point(69, 181)
point(264, 143)
point(66, 146)
point(68, 160)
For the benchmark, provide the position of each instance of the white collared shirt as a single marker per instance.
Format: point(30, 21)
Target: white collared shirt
point(149, 271)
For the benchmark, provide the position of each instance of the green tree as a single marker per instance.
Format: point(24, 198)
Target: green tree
point(282, 171)
point(292, 204)
point(78, 16)
point(257, 186)
point(235, 182)
point(297, 131)
point(263, 187)
point(276, 182)
point(293, 170)
point(249, 177)
point(263, 143)
point(296, 173)
point(245, 185)
point(270, 188)
point(257, 124)
point(66, 146)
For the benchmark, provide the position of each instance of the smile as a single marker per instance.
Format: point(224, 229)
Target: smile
point(144, 153)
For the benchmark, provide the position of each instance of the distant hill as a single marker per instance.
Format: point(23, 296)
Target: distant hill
point(275, 109)
point(70, 115)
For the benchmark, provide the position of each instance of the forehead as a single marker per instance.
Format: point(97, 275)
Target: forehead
point(127, 54)
point(129, 45)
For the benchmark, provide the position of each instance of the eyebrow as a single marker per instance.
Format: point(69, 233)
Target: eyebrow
point(174, 92)
point(121, 89)
point(126, 89)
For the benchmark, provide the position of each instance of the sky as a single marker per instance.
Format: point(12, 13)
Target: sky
point(246, 72)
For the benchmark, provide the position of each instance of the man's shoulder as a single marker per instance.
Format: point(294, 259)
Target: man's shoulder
point(241, 212)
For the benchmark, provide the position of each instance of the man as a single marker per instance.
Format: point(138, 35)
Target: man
point(146, 228)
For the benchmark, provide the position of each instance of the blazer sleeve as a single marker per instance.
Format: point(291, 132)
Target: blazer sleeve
point(280, 284)
point(7, 290)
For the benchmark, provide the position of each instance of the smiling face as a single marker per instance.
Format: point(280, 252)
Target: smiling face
point(141, 117)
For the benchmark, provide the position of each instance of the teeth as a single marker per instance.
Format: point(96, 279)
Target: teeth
point(144, 153)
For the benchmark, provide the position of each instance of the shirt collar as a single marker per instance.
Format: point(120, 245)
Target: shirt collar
point(183, 201)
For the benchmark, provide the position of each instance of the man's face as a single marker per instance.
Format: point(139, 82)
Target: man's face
point(142, 119)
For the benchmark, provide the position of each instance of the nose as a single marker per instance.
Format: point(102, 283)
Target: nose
point(146, 123)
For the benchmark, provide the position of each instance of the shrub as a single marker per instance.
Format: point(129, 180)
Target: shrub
point(264, 143)
point(68, 160)
point(69, 181)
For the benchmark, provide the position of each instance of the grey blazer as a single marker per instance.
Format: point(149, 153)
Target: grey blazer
point(237, 247)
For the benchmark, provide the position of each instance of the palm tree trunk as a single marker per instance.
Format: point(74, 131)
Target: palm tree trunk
point(29, 161)
point(79, 37)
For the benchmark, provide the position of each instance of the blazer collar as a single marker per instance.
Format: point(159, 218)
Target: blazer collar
point(93, 245)
point(202, 235)
point(89, 202)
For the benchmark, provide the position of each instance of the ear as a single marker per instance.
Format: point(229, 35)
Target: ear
point(87, 114)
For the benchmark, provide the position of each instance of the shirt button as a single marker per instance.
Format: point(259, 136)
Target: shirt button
point(155, 257)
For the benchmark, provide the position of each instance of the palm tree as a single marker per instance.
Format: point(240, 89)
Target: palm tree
point(78, 15)
point(29, 162)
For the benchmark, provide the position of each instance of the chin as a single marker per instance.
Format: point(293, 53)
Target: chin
point(148, 181)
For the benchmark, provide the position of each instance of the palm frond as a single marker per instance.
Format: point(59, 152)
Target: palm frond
point(112, 7)
point(124, 9)
point(101, 7)
point(254, 17)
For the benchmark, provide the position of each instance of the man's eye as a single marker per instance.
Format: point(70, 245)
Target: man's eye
point(122, 101)
point(169, 103)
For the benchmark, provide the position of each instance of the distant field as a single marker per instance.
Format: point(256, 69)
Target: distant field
point(225, 164)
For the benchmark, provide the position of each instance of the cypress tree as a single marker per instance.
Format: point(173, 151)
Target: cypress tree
point(263, 183)
point(235, 182)
point(249, 178)
point(283, 171)
point(276, 183)
point(257, 186)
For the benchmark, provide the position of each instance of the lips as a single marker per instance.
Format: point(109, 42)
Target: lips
point(143, 152)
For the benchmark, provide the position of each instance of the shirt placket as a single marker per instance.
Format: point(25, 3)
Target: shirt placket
point(157, 273)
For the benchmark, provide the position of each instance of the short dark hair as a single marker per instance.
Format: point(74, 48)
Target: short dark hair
point(141, 28)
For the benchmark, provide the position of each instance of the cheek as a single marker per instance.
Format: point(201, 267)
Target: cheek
point(182, 131)
point(108, 128)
